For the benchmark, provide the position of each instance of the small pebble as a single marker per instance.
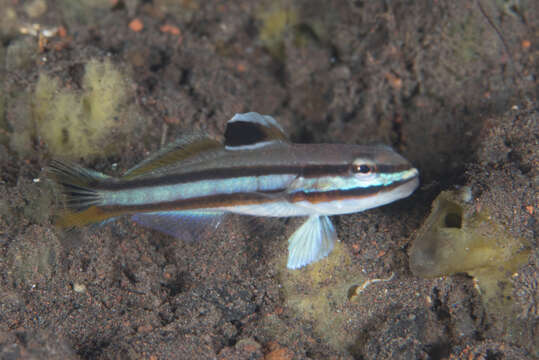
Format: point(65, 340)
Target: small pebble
point(80, 288)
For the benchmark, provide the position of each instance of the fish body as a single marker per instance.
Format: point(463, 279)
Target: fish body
point(194, 181)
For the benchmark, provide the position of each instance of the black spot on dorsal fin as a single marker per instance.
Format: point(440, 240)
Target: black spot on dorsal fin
point(252, 130)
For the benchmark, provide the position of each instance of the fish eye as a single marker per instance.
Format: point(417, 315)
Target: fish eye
point(362, 167)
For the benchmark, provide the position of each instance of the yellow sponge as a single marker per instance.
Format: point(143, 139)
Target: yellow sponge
point(76, 124)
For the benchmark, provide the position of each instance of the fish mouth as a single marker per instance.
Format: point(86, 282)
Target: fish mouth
point(404, 187)
point(409, 183)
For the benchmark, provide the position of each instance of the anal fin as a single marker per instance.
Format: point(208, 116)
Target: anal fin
point(311, 242)
point(184, 225)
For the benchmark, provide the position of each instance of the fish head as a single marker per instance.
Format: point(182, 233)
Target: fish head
point(369, 176)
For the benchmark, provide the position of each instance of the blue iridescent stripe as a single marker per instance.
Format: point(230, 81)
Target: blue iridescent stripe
point(196, 189)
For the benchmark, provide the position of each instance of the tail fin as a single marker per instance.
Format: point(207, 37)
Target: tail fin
point(82, 200)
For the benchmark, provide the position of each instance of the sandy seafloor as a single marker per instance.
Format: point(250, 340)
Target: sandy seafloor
point(450, 85)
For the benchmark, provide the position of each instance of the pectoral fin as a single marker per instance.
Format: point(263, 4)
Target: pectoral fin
point(311, 242)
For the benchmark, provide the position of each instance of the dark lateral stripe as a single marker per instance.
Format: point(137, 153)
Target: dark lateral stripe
point(308, 171)
point(389, 169)
point(333, 195)
point(204, 202)
point(224, 173)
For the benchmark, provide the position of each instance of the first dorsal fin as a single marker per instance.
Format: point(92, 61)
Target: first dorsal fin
point(252, 130)
point(182, 149)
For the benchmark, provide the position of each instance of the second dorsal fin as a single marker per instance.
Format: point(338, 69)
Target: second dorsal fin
point(182, 149)
point(252, 130)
